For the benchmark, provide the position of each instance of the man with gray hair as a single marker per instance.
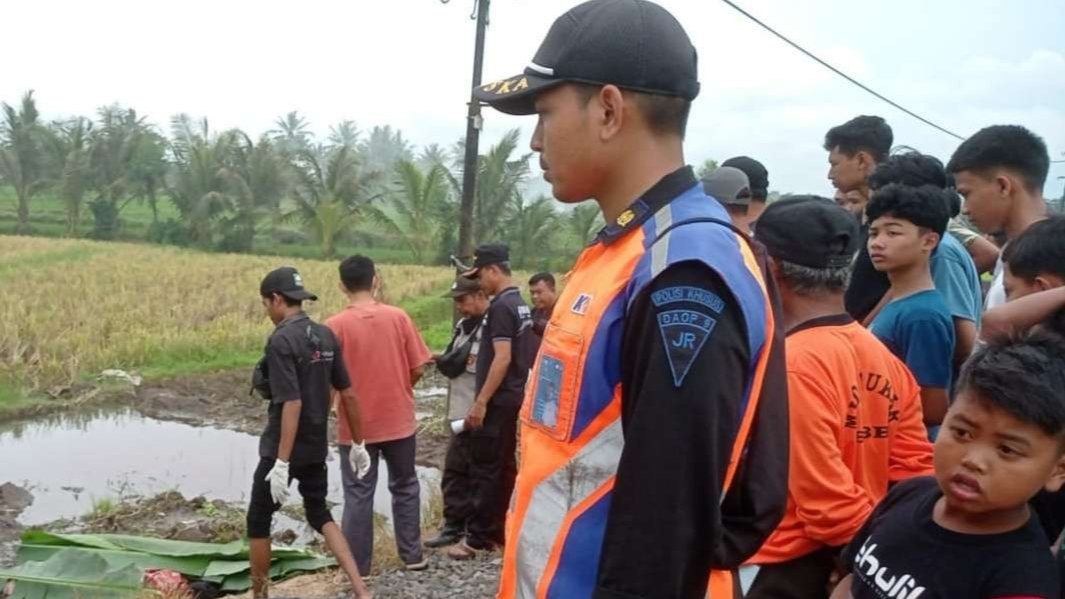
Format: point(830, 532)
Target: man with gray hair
point(856, 423)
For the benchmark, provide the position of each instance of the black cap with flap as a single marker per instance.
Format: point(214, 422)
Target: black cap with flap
point(633, 44)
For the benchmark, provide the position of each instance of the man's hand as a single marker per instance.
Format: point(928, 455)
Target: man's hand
point(475, 417)
point(278, 479)
point(360, 459)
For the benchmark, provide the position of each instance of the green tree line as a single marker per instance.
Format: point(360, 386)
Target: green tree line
point(223, 190)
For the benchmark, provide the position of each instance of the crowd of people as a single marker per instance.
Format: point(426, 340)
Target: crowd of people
point(725, 397)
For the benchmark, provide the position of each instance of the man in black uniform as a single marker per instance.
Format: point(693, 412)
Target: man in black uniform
point(301, 367)
point(492, 424)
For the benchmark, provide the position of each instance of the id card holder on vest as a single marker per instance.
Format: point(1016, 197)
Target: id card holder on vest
point(551, 403)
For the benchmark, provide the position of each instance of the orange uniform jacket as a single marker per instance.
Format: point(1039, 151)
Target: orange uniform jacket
point(856, 426)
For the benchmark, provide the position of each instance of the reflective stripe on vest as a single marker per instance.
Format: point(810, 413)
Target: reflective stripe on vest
point(571, 438)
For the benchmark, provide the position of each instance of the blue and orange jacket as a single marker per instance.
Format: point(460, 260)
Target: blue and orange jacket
point(572, 435)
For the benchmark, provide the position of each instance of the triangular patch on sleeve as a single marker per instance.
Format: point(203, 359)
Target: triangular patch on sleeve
point(684, 333)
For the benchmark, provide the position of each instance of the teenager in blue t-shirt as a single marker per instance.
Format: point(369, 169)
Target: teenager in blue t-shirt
point(905, 227)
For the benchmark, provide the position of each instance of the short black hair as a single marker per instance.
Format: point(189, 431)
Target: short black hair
point(1040, 249)
point(1004, 146)
point(915, 169)
point(357, 272)
point(909, 168)
point(545, 277)
point(665, 115)
point(869, 133)
point(291, 303)
point(1023, 377)
point(924, 206)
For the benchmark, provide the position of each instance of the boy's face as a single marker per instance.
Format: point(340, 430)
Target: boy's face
point(1018, 287)
point(989, 461)
point(987, 202)
point(895, 243)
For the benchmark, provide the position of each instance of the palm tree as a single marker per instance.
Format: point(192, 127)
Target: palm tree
point(69, 146)
point(330, 194)
point(383, 149)
point(500, 179)
point(256, 182)
point(583, 223)
point(706, 168)
point(22, 154)
point(433, 155)
point(201, 178)
point(292, 135)
point(530, 229)
point(344, 133)
point(417, 203)
point(128, 162)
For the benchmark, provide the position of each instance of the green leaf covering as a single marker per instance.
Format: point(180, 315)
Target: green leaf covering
point(72, 574)
point(225, 564)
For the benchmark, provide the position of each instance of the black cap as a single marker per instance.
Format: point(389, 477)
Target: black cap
point(486, 255)
point(462, 286)
point(756, 174)
point(809, 231)
point(729, 186)
point(633, 44)
point(286, 281)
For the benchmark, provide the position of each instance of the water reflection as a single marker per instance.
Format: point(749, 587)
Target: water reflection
point(68, 461)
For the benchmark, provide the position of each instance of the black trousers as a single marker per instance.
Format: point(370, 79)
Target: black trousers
point(491, 471)
point(457, 484)
point(313, 487)
point(802, 578)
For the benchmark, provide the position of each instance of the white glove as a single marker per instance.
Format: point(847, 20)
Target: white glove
point(278, 479)
point(360, 459)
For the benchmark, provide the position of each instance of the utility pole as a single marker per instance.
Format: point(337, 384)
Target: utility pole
point(473, 132)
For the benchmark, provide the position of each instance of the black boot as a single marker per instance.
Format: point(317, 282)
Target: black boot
point(449, 535)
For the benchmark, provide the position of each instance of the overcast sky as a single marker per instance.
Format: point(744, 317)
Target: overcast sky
point(962, 63)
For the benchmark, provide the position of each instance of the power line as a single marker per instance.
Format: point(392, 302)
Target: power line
point(841, 73)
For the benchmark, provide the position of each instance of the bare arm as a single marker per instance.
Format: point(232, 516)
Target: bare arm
point(984, 253)
point(1022, 314)
point(843, 591)
point(290, 423)
point(351, 410)
point(496, 372)
point(965, 339)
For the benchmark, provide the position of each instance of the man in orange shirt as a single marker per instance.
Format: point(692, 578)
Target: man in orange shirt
point(856, 424)
point(385, 356)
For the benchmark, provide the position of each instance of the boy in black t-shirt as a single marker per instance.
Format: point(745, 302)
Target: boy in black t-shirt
point(968, 532)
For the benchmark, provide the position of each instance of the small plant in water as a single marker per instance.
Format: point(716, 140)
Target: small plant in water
point(102, 507)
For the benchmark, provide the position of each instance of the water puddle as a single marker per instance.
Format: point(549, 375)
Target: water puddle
point(69, 461)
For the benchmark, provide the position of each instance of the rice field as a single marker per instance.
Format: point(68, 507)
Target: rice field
point(72, 308)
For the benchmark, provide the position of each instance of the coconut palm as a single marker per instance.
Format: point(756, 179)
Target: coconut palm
point(292, 135)
point(583, 223)
point(330, 194)
point(383, 148)
point(344, 133)
point(127, 161)
point(416, 204)
point(69, 148)
point(500, 179)
point(256, 182)
point(201, 179)
point(23, 160)
point(530, 229)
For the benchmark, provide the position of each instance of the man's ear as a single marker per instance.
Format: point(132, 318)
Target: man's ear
point(865, 162)
point(1005, 185)
point(610, 114)
point(1048, 281)
point(1057, 477)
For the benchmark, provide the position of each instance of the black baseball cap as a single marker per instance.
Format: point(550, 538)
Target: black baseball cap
point(286, 281)
point(486, 255)
point(462, 286)
point(756, 174)
point(810, 231)
point(633, 44)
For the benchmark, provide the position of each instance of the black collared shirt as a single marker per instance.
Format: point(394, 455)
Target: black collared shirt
point(668, 524)
point(508, 319)
point(304, 363)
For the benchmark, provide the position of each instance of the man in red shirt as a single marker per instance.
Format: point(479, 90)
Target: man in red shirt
point(385, 356)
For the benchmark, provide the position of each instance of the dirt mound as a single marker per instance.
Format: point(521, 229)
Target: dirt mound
point(168, 516)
